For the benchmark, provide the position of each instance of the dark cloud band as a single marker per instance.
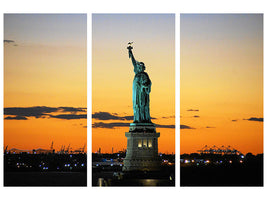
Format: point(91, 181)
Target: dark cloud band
point(111, 116)
point(36, 111)
point(16, 118)
point(69, 116)
point(196, 110)
point(22, 113)
point(255, 119)
point(121, 124)
point(9, 41)
point(186, 127)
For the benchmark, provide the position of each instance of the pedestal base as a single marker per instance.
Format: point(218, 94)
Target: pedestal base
point(142, 148)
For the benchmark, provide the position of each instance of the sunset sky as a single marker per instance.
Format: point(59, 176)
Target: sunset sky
point(45, 73)
point(112, 76)
point(221, 77)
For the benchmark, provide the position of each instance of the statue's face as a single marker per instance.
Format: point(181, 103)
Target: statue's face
point(143, 68)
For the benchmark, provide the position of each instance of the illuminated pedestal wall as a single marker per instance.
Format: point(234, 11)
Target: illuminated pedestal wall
point(142, 148)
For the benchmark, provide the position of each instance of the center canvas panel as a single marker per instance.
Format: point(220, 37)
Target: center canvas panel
point(133, 100)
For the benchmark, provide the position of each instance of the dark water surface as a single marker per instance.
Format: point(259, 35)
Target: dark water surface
point(45, 179)
point(107, 179)
point(221, 176)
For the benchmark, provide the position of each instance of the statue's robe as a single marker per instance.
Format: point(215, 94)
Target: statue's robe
point(141, 90)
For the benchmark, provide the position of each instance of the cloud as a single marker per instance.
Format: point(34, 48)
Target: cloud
point(186, 127)
point(255, 119)
point(196, 116)
point(127, 117)
point(36, 111)
point(164, 126)
point(111, 116)
point(17, 118)
point(69, 116)
point(173, 116)
point(196, 110)
point(9, 41)
point(109, 125)
point(122, 124)
point(72, 109)
point(234, 120)
point(41, 112)
point(210, 127)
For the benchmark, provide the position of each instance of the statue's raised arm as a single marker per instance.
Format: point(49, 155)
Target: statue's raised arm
point(132, 56)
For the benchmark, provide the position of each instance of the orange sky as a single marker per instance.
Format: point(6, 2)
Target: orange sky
point(221, 71)
point(222, 77)
point(112, 74)
point(45, 65)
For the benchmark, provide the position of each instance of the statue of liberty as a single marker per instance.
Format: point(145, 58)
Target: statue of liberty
point(141, 90)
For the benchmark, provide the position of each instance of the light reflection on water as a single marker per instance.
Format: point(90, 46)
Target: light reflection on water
point(134, 182)
point(100, 182)
point(149, 182)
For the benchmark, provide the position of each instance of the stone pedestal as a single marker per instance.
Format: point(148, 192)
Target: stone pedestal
point(142, 148)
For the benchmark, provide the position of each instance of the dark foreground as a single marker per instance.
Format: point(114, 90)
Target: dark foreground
point(107, 171)
point(165, 177)
point(248, 172)
point(221, 176)
point(45, 169)
point(45, 179)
